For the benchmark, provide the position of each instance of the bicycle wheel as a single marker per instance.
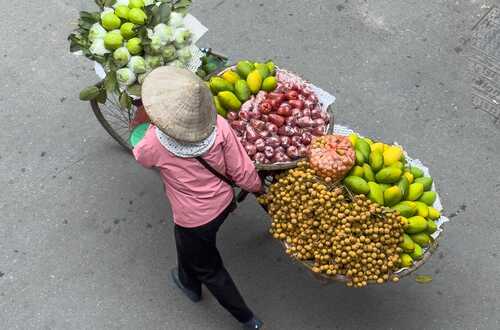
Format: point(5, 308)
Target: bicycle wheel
point(115, 120)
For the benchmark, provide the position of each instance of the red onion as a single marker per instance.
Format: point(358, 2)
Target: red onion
point(257, 124)
point(302, 151)
point(251, 134)
point(280, 149)
point(280, 97)
point(238, 125)
point(264, 133)
point(296, 104)
point(284, 110)
point(318, 122)
point(277, 120)
point(305, 121)
point(260, 157)
point(296, 141)
point(312, 97)
point(297, 131)
point(231, 116)
point(309, 104)
point(273, 142)
point(292, 152)
point(306, 112)
point(260, 144)
point(271, 128)
point(274, 103)
point(291, 121)
point(280, 157)
point(244, 115)
point(268, 152)
point(315, 113)
point(286, 130)
point(265, 108)
point(319, 131)
point(306, 138)
point(325, 116)
point(251, 149)
point(292, 95)
point(285, 141)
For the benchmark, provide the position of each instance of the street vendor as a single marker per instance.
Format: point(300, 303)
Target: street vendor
point(199, 157)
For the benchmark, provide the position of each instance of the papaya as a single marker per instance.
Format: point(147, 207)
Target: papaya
point(404, 185)
point(426, 181)
point(218, 106)
point(243, 68)
point(377, 147)
point(217, 85)
point(376, 195)
point(418, 253)
point(254, 81)
point(241, 90)
point(368, 173)
point(422, 239)
point(409, 177)
point(392, 196)
point(376, 160)
point(428, 197)
point(392, 155)
point(417, 173)
point(360, 159)
point(230, 76)
point(415, 191)
point(406, 260)
point(408, 245)
point(364, 148)
point(357, 171)
point(433, 213)
point(416, 225)
point(431, 227)
point(229, 101)
point(388, 175)
point(357, 185)
point(404, 210)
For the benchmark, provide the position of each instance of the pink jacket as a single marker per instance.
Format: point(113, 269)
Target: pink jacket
point(196, 195)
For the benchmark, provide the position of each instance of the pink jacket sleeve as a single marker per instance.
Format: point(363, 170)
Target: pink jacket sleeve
point(144, 151)
point(239, 167)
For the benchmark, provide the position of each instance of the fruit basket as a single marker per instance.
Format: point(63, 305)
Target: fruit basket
point(398, 271)
point(315, 99)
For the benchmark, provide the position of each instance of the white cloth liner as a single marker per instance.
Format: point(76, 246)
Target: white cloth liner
point(186, 150)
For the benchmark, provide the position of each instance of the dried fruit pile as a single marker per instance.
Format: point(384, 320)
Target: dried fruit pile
point(336, 233)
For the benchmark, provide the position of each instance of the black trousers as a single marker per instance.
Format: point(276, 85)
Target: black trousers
point(200, 263)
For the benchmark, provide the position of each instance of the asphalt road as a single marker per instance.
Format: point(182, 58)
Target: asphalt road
point(86, 236)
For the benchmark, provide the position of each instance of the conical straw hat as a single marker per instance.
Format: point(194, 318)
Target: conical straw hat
point(179, 103)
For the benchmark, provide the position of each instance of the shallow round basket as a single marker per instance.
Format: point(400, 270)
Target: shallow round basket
point(291, 164)
point(269, 179)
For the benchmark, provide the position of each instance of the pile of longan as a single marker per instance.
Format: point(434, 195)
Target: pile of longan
point(337, 233)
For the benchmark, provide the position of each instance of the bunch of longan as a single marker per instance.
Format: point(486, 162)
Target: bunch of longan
point(339, 235)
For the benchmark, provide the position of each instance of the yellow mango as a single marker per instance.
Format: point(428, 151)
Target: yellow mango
point(392, 196)
point(375, 193)
point(408, 245)
point(422, 209)
point(392, 155)
point(357, 171)
point(415, 191)
point(389, 175)
point(418, 253)
point(377, 147)
point(376, 160)
point(433, 213)
point(409, 176)
point(231, 76)
point(416, 225)
point(254, 81)
point(229, 101)
point(406, 260)
point(353, 137)
point(368, 173)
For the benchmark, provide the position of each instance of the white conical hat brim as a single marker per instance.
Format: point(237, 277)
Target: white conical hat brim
point(179, 103)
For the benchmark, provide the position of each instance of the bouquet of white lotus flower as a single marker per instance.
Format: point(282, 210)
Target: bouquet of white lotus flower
point(129, 38)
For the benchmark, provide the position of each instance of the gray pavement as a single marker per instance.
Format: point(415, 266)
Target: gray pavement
point(86, 236)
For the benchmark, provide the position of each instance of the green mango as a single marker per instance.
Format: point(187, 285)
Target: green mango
point(229, 101)
point(404, 185)
point(272, 68)
point(384, 186)
point(376, 195)
point(241, 90)
point(408, 245)
point(263, 69)
point(417, 173)
point(422, 239)
point(368, 173)
point(426, 181)
point(392, 196)
point(218, 106)
point(388, 175)
point(406, 260)
point(431, 227)
point(422, 209)
point(415, 191)
point(357, 171)
point(364, 148)
point(416, 224)
point(418, 253)
point(357, 185)
point(243, 68)
point(428, 197)
point(217, 85)
point(376, 160)
point(399, 165)
point(404, 210)
point(360, 159)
